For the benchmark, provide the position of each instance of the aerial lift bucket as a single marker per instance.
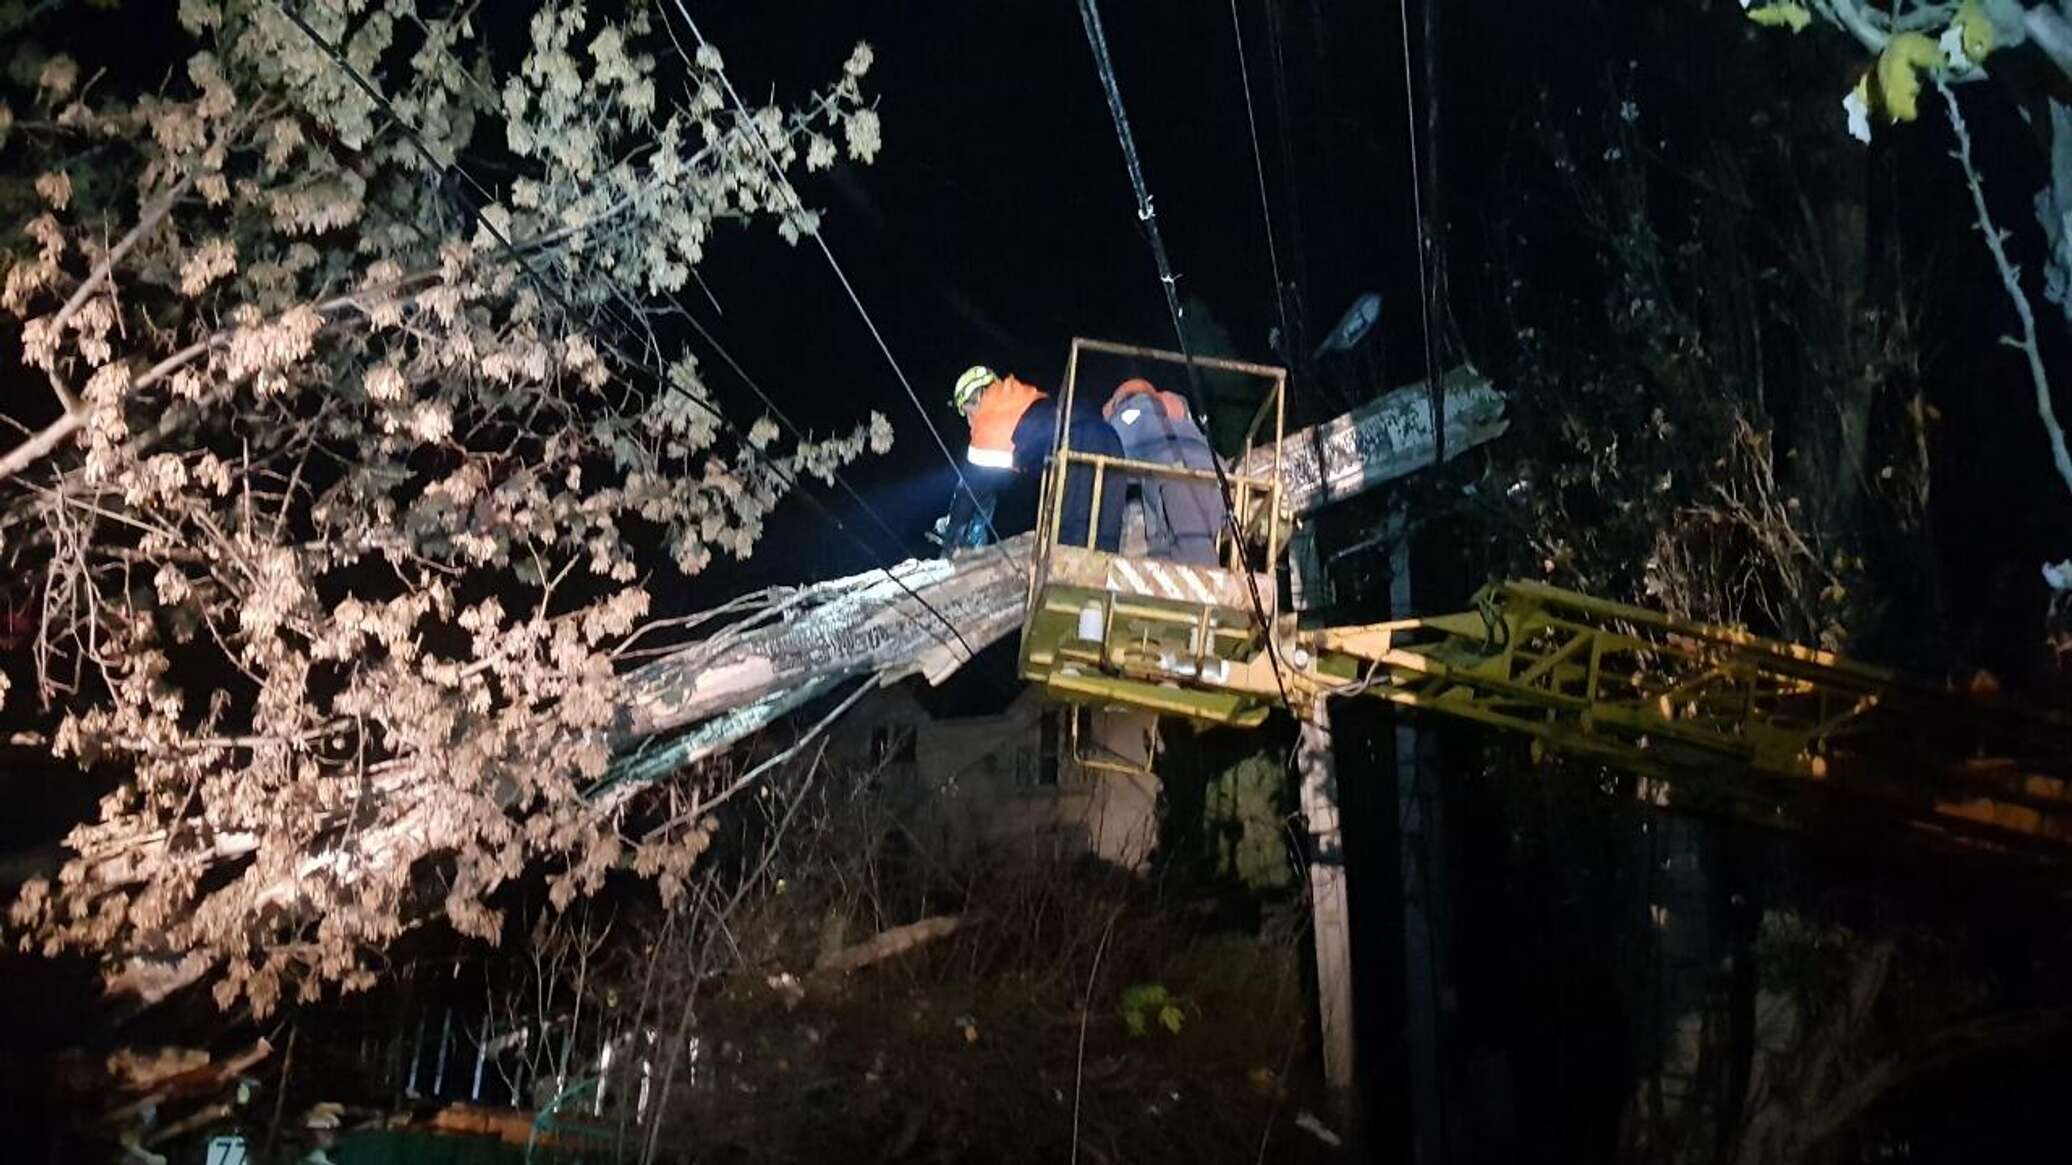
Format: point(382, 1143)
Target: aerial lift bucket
point(1142, 631)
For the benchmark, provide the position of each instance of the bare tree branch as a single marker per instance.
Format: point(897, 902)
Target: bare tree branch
point(2011, 279)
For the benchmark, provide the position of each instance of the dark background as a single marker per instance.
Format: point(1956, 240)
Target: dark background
point(998, 223)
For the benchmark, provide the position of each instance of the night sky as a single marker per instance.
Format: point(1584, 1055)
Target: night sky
point(998, 222)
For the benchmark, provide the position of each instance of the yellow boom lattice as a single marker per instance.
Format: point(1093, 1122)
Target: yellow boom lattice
point(1753, 727)
point(1668, 698)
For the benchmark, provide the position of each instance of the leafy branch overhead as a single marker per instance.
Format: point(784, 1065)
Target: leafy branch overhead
point(1919, 43)
point(352, 464)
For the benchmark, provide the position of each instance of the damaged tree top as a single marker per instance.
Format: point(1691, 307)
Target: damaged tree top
point(760, 657)
point(926, 617)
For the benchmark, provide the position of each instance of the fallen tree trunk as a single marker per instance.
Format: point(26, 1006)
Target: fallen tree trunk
point(1384, 439)
point(771, 653)
point(887, 944)
point(923, 617)
point(775, 652)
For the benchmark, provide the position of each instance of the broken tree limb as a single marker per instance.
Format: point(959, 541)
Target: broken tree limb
point(922, 617)
point(202, 1080)
point(889, 943)
point(657, 758)
point(707, 804)
point(766, 656)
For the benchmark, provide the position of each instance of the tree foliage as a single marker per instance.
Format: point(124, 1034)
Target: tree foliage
point(359, 472)
point(1921, 43)
point(1730, 423)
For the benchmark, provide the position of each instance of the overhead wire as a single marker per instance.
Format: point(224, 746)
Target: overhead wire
point(1422, 857)
point(1436, 391)
point(633, 312)
point(1104, 65)
point(1273, 255)
point(827, 252)
point(868, 510)
point(768, 402)
point(1090, 15)
point(861, 502)
point(660, 375)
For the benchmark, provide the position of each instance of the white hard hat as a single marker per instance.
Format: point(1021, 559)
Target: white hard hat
point(970, 384)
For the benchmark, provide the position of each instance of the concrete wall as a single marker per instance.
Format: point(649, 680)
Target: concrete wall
point(1007, 785)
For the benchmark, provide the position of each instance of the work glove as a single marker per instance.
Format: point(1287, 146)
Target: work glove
point(940, 532)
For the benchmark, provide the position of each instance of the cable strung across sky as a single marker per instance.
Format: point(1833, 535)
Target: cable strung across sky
point(660, 376)
point(1097, 39)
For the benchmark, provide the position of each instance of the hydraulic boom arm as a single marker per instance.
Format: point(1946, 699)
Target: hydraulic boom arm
point(1758, 728)
point(1673, 699)
point(1754, 727)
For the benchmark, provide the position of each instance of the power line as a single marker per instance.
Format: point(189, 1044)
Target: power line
point(1273, 255)
point(827, 252)
point(1420, 794)
point(790, 481)
point(777, 411)
point(1434, 389)
point(1090, 15)
point(861, 503)
point(633, 314)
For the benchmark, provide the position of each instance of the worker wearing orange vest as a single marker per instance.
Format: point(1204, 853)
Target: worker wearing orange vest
point(1181, 518)
point(1014, 428)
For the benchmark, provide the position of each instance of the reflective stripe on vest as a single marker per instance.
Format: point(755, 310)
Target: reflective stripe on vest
point(990, 458)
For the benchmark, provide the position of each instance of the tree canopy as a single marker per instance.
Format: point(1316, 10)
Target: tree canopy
point(357, 469)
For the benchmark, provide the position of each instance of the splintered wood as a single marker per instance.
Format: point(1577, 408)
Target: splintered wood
point(922, 617)
point(763, 656)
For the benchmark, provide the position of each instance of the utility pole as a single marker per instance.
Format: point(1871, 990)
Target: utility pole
point(1329, 918)
point(1316, 769)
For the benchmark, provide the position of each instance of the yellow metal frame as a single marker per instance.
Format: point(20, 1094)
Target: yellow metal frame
point(1254, 498)
point(1588, 676)
point(1795, 729)
point(1666, 697)
point(1154, 615)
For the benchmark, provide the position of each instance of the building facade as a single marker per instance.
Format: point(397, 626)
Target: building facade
point(1034, 779)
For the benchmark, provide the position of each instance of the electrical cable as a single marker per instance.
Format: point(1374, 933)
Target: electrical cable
point(869, 511)
point(827, 252)
point(633, 312)
point(1273, 255)
point(1276, 57)
point(777, 411)
point(1090, 15)
point(1436, 391)
point(790, 481)
point(862, 504)
point(1420, 794)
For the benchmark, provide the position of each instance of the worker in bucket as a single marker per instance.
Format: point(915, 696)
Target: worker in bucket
point(1181, 517)
point(1014, 428)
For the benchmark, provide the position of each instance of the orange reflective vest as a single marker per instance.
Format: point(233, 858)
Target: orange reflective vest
point(1000, 409)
